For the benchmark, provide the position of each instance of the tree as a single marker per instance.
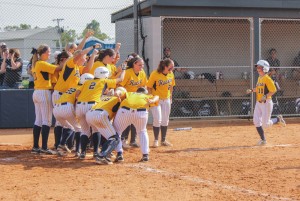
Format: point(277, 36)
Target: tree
point(95, 26)
point(15, 28)
point(68, 36)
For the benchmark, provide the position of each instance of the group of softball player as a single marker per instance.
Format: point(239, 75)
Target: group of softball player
point(96, 101)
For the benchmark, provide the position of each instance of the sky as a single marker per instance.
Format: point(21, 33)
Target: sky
point(75, 13)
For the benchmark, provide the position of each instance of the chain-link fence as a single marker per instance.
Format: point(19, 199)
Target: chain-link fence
point(215, 58)
point(28, 23)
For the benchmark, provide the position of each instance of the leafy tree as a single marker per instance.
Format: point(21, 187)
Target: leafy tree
point(15, 27)
point(95, 26)
point(68, 36)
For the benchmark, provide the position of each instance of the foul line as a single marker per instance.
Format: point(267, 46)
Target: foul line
point(207, 182)
point(241, 147)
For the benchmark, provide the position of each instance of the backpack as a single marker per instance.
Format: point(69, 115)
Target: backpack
point(246, 108)
point(289, 107)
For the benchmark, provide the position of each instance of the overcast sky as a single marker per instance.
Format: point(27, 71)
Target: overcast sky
point(76, 13)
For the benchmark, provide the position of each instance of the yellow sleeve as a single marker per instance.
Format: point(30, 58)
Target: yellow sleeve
point(151, 81)
point(270, 84)
point(49, 68)
point(126, 78)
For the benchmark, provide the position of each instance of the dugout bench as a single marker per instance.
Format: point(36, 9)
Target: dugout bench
point(227, 92)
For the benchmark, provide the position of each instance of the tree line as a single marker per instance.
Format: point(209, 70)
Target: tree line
point(67, 35)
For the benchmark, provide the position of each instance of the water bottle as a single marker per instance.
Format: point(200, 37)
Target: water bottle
point(217, 75)
point(182, 129)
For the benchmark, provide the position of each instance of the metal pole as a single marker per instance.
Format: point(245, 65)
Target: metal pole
point(136, 28)
point(59, 31)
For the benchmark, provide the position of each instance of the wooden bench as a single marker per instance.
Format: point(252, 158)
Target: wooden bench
point(228, 90)
point(220, 90)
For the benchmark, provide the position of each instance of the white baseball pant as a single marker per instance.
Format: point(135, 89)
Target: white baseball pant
point(139, 119)
point(161, 113)
point(43, 107)
point(65, 114)
point(99, 121)
point(55, 96)
point(262, 114)
point(81, 109)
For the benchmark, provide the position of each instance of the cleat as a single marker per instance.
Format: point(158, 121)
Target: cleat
point(110, 156)
point(134, 144)
point(261, 143)
point(125, 145)
point(82, 155)
point(63, 148)
point(95, 155)
point(103, 160)
point(119, 158)
point(166, 143)
point(281, 120)
point(155, 144)
point(145, 158)
point(35, 150)
point(48, 151)
point(77, 154)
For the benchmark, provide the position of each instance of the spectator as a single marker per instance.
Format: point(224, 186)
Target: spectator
point(296, 71)
point(179, 73)
point(3, 48)
point(273, 61)
point(12, 68)
point(29, 72)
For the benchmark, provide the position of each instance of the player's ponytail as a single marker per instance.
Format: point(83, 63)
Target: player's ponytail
point(37, 53)
point(162, 64)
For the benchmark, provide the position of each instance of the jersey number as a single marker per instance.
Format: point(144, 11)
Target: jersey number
point(71, 90)
point(260, 91)
point(92, 85)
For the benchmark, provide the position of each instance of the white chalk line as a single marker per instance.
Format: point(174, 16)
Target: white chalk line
point(208, 182)
point(9, 159)
point(241, 147)
point(10, 144)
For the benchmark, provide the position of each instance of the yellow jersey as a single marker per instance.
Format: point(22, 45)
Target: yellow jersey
point(135, 100)
point(161, 84)
point(69, 76)
point(108, 103)
point(92, 90)
point(264, 85)
point(111, 68)
point(133, 81)
point(69, 95)
point(42, 74)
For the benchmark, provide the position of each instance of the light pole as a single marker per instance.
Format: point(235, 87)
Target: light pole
point(59, 31)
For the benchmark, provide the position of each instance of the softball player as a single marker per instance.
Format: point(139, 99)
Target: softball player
point(135, 78)
point(106, 58)
point(161, 83)
point(86, 97)
point(64, 112)
point(69, 78)
point(99, 118)
point(42, 97)
point(134, 110)
point(264, 90)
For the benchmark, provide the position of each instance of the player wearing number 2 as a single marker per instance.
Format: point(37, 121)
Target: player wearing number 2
point(161, 83)
point(88, 96)
point(264, 90)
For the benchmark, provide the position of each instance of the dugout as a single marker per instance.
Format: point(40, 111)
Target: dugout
point(216, 36)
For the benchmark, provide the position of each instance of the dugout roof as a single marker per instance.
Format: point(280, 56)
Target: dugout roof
point(214, 8)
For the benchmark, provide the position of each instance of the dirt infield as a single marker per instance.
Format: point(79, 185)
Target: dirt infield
point(213, 161)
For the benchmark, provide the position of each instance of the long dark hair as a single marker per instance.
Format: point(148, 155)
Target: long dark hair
point(132, 61)
point(104, 53)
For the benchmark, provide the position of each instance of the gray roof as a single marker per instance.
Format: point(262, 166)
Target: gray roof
point(156, 8)
point(21, 34)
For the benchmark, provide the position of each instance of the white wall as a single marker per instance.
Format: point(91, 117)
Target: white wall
point(151, 29)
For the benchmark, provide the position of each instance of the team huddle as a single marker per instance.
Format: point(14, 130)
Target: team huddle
point(94, 102)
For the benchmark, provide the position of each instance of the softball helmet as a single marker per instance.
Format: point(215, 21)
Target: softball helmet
point(264, 64)
point(101, 72)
